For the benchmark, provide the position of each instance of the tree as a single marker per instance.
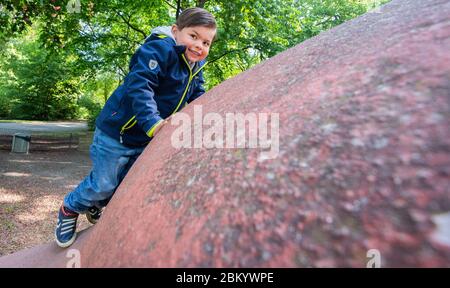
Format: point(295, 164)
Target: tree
point(41, 84)
point(105, 33)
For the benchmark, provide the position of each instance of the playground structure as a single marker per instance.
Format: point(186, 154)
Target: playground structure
point(363, 163)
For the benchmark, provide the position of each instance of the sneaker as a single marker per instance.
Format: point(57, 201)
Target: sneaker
point(93, 214)
point(65, 232)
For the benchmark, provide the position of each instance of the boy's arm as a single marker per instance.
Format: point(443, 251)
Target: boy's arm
point(199, 90)
point(151, 62)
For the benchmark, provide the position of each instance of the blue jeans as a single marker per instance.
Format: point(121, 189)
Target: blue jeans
point(111, 162)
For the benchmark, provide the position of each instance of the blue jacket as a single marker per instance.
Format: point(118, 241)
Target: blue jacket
point(160, 83)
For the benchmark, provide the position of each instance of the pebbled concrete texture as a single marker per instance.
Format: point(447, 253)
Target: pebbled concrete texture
point(364, 162)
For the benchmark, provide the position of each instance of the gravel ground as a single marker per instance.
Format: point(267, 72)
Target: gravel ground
point(32, 188)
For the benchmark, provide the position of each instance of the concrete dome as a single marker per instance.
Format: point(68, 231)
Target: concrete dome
point(363, 162)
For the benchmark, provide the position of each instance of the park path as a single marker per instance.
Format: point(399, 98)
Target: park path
point(42, 127)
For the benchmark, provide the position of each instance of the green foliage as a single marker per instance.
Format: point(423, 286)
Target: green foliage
point(39, 83)
point(97, 91)
point(92, 110)
point(6, 106)
point(15, 16)
point(87, 53)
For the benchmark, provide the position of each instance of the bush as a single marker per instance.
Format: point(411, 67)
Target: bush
point(5, 107)
point(93, 116)
point(92, 108)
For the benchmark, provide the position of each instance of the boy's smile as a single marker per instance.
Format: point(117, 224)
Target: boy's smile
point(197, 39)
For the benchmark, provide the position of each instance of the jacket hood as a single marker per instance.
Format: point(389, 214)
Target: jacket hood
point(163, 30)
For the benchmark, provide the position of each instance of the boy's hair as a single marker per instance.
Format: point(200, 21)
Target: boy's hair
point(195, 17)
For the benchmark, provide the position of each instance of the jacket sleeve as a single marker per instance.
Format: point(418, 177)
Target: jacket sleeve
point(151, 62)
point(198, 90)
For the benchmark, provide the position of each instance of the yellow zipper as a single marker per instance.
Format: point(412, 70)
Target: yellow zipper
point(191, 76)
point(124, 127)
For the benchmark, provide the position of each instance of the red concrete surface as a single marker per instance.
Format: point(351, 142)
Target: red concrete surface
point(364, 162)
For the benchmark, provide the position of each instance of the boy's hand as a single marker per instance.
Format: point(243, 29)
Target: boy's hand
point(157, 128)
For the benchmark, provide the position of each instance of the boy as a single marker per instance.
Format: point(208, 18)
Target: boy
point(165, 74)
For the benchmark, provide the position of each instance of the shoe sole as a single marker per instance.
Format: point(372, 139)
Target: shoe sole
point(66, 244)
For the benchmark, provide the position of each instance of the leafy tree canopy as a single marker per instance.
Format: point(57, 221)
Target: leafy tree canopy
point(100, 36)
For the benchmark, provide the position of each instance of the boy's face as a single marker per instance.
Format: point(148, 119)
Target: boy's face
point(197, 39)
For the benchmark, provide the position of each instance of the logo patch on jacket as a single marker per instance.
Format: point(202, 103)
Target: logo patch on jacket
point(152, 64)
